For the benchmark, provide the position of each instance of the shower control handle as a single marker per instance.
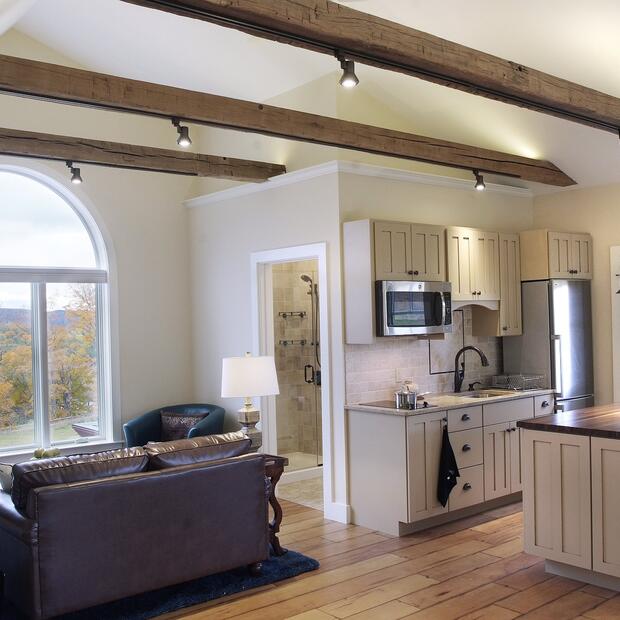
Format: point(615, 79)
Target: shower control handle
point(309, 377)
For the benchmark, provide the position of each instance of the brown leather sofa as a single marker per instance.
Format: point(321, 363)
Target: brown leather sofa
point(79, 544)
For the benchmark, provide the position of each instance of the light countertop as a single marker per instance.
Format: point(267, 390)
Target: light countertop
point(447, 401)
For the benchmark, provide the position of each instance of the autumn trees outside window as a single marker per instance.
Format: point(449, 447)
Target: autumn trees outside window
point(54, 334)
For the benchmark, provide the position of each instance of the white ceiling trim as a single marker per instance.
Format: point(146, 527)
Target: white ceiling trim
point(337, 166)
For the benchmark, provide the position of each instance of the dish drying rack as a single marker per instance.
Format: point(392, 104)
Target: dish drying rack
point(519, 383)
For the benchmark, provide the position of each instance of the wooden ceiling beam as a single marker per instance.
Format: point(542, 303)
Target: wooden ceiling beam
point(116, 155)
point(324, 26)
point(50, 82)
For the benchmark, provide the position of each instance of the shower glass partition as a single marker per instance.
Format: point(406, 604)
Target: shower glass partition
point(297, 355)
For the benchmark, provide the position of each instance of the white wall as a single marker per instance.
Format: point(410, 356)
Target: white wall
point(595, 211)
point(146, 225)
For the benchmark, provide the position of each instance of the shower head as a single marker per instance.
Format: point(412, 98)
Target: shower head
point(306, 278)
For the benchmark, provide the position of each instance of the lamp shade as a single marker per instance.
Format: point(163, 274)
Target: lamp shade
point(249, 376)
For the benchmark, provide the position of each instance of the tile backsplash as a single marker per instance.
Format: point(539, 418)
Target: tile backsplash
point(374, 372)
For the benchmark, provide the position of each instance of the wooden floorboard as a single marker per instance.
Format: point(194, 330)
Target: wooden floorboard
point(473, 569)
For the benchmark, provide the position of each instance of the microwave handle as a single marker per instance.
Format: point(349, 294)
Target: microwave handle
point(443, 309)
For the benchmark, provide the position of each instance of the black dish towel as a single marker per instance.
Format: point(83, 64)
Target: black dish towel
point(448, 469)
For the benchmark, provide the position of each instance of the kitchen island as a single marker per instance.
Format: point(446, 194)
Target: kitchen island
point(571, 493)
point(393, 457)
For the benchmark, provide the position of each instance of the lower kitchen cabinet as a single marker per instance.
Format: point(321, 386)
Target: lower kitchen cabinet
point(605, 506)
point(556, 497)
point(424, 437)
point(496, 460)
point(469, 489)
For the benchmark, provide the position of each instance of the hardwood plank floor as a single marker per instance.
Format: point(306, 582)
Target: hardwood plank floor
point(474, 569)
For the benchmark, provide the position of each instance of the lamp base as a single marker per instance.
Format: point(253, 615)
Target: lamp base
point(249, 417)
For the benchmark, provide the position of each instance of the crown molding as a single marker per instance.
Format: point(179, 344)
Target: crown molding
point(348, 167)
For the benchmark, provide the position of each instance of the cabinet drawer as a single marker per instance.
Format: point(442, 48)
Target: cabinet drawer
point(469, 489)
point(543, 405)
point(462, 419)
point(467, 446)
point(509, 411)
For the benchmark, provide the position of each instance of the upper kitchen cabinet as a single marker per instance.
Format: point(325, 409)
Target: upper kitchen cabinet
point(409, 252)
point(547, 255)
point(473, 264)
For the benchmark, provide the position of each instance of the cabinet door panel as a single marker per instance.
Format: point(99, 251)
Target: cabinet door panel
point(486, 261)
point(581, 255)
point(510, 285)
point(516, 469)
point(424, 435)
point(557, 497)
point(461, 261)
point(496, 460)
point(605, 506)
point(559, 255)
point(392, 251)
point(428, 253)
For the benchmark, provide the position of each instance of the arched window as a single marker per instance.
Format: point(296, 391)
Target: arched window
point(54, 335)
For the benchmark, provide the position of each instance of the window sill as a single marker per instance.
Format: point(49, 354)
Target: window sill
point(65, 450)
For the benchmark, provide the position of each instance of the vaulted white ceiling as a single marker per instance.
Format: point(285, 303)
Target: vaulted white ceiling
point(573, 39)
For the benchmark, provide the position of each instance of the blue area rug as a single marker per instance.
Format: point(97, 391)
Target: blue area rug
point(158, 602)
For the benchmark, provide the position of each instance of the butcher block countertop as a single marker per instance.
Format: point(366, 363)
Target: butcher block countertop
point(602, 421)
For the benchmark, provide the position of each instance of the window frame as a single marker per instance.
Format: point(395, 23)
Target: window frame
point(38, 278)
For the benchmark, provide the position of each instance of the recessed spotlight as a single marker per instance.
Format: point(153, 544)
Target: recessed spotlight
point(183, 140)
point(76, 177)
point(480, 186)
point(348, 79)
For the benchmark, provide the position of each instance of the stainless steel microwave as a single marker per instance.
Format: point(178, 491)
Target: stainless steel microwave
point(413, 308)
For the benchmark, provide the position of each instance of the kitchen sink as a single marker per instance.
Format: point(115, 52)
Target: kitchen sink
point(485, 393)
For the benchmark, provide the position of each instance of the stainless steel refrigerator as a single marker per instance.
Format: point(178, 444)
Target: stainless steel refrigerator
point(556, 340)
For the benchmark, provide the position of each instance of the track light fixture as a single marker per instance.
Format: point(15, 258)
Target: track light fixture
point(76, 177)
point(480, 186)
point(183, 140)
point(348, 79)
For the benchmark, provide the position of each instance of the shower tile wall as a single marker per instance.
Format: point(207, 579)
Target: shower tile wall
point(298, 423)
point(374, 372)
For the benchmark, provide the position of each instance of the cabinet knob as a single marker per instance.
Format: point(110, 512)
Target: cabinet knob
point(466, 486)
point(410, 272)
point(465, 417)
point(444, 419)
point(505, 328)
point(466, 448)
point(545, 403)
point(416, 272)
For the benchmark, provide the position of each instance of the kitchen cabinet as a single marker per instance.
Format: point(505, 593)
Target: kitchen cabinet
point(392, 251)
point(556, 497)
point(473, 264)
point(547, 254)
point(497, 462)
point(409, 252)
point(605, 506)
point(424, 437)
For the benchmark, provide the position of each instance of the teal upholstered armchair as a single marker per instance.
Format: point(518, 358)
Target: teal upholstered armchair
point(148, 427)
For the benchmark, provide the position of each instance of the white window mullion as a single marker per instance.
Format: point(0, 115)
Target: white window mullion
point(40, 364)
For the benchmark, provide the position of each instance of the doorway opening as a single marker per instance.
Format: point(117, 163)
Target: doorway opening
point(290, 298)
point(296, 316)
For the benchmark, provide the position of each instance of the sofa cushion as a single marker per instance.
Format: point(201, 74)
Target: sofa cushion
point(65, 469)
point(163, 455)
point(177, 425)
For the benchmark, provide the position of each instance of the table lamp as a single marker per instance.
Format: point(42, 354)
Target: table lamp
point(246, 377)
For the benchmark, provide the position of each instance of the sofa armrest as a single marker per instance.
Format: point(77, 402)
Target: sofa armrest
point(141, 430)
point(212, 424)
point(14, 523)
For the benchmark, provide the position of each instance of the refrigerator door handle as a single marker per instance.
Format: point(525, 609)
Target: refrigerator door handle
point(557, 363)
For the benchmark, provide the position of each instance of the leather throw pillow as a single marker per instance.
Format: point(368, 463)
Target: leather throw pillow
point(163, 455)
point(177, 425)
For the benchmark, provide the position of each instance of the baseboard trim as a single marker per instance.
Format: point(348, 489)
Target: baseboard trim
point(338, 512)
point(582, 574)
point(409, 528)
